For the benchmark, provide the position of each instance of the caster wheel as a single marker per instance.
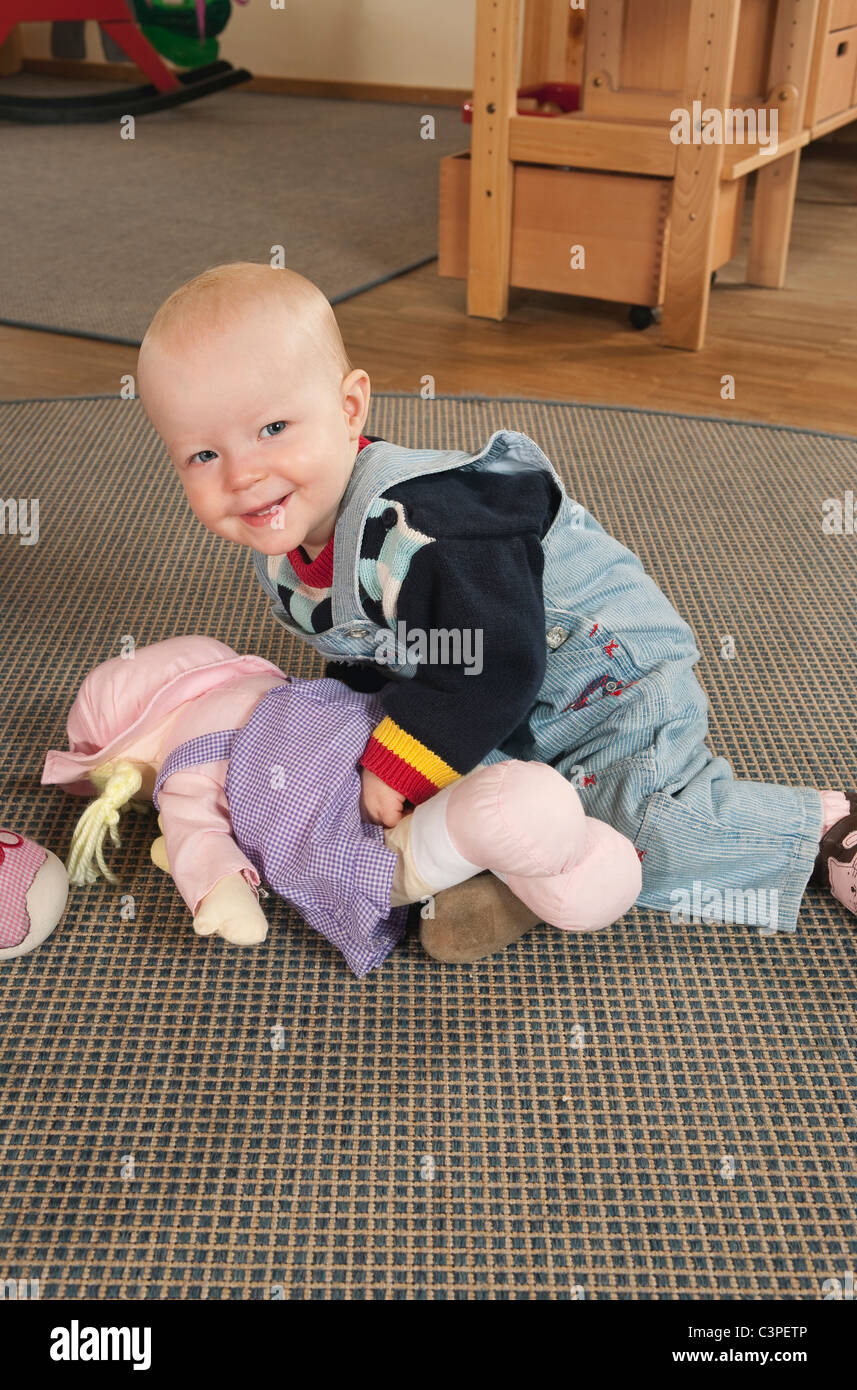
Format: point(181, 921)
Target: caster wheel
point(640, 316)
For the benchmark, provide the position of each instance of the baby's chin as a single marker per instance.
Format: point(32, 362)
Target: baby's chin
point(277, 548)
point(267, 540)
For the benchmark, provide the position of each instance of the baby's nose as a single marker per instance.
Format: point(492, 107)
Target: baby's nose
point(242, 473)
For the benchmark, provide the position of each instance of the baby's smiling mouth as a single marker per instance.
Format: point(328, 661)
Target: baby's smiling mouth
point(269, 509)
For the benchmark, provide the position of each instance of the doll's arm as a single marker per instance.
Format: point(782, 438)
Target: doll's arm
point(216, 880)
point(229, 908)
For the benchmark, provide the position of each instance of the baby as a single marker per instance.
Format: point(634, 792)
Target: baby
point(398, 564)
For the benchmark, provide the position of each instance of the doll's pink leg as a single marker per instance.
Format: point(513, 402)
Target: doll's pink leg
point(516, 817)
point(604, 883)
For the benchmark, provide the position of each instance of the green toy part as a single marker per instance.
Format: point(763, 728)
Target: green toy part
point(184, 31)
point(184, 52)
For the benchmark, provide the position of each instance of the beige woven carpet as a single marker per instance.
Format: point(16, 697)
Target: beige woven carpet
point(431, 1132)
point(110, 227)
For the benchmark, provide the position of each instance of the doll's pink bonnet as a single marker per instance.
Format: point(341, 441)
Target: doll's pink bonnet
point(123, 697)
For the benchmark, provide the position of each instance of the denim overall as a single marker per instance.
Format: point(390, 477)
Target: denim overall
point(620, 711)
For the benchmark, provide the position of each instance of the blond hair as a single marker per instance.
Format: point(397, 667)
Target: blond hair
point(223, 294)
point(118, 783)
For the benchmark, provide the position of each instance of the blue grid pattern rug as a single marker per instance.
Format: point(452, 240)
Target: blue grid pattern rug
point(649, 1112)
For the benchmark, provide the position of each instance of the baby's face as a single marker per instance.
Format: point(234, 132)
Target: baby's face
point(250, 422)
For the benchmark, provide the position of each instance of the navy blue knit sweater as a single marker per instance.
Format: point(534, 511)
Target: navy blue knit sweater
point(472, 569)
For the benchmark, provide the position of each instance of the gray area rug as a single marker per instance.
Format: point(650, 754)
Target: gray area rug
point(97, 230)
point(431, 1131)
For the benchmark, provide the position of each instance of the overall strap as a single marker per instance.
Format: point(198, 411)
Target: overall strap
point(207, 748)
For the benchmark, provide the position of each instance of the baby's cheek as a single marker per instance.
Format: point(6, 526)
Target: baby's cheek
point(198, 499)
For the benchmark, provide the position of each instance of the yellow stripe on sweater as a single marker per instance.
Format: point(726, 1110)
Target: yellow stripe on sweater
point(410, 750)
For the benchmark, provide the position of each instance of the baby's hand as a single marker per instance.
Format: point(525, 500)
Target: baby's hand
point(380, 804)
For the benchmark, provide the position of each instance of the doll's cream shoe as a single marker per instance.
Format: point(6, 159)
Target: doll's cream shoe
point(473, 920)
point(230, 909)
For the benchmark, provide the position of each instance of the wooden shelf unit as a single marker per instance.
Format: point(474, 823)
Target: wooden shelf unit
point(649, 213)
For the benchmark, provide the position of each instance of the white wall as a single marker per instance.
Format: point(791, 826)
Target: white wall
point(403, 42)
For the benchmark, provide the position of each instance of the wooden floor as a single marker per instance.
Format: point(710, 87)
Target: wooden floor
point(792, 352)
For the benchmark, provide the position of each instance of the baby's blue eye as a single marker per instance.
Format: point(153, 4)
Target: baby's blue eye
point(276, 427)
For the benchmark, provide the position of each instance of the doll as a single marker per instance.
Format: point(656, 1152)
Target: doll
point(255, 777)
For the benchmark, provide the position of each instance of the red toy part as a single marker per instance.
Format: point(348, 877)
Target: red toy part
point(565, 95)
point(115, 19)
point(164, 90)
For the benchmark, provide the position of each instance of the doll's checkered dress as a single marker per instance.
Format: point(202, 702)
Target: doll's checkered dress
point(293, 788)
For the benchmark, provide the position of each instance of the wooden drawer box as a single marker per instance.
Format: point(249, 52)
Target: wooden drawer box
point(621, 221)
point(837, 73)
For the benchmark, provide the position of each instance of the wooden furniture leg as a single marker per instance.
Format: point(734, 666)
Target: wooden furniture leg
point(789, 76)
point(772, 222)
point(696, 186)
point(552, 42)
point(495, 88)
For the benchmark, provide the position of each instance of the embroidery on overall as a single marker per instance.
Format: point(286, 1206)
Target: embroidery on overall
point(607, 684)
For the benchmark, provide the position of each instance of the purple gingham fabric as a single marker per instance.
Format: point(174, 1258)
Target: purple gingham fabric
point(208, 748)
point(293, 788)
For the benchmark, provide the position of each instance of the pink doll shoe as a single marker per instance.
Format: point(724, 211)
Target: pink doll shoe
point(33, 894)
point(526, 822)
point(836, 865)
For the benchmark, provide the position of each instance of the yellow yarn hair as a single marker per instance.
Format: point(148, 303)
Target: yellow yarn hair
point(117, 783)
